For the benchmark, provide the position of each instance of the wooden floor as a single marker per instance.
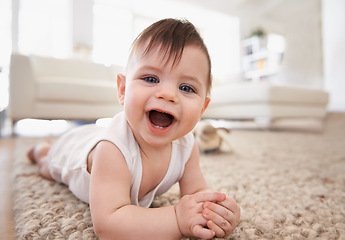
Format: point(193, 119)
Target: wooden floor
point(25, 128)
point(6, 214)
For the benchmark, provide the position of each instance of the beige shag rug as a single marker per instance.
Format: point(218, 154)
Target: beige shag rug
point(290, 185)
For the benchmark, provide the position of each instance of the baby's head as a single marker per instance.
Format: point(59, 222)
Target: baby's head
point(168, 78)
point(171, 36)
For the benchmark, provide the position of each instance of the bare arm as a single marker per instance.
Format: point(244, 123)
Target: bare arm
point(113, 215)
point(221, 216)
point(193, 180)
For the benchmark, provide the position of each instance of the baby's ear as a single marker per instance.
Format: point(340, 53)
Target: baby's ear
point(207, 101)
point(121, 88)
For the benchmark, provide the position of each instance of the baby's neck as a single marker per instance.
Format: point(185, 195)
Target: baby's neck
point(155, 165)
point(153, 152)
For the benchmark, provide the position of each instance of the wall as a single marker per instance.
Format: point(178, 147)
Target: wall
point(82, 22)
point(300, 24)
point(141, 13)
point(315, 36)
point(333, 15)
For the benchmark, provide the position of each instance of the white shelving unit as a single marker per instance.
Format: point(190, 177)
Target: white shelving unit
point(262, 56)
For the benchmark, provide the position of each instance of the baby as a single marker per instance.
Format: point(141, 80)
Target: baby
point(148, 147)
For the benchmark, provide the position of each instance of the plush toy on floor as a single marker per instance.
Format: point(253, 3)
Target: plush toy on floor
point(211, 139)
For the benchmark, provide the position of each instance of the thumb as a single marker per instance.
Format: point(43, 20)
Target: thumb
point(201, 232)
point(209, 196)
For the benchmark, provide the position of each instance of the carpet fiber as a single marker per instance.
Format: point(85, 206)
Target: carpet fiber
point(289, 185)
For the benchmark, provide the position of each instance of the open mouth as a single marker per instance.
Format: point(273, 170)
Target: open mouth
point(160, 119)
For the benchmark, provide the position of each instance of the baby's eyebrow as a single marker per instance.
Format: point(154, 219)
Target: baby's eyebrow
point(191, 78)
point(150, 68)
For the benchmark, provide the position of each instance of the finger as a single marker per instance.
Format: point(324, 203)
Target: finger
point(209, 196)
point(234, 216)
point(230, 204)
point(229, 209)
point(201, 232)
point(218, 209)
point(214, 227)
point(218, 220)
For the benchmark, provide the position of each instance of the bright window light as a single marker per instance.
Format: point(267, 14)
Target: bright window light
point(41, 128)
point(112, 34)
point(45, 27)
point(5, 50)
point(117, 23)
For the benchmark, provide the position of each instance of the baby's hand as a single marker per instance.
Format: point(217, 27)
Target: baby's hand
point(189, 214)
point(222, 216)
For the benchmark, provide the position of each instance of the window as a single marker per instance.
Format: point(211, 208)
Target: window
point(117, 23)
point(5, 50)
point(112, 33)
point(45, 27)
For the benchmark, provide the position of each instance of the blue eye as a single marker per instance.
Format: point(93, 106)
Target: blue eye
point(151, 79)
point(186, 88)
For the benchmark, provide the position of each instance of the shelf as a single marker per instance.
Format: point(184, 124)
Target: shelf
point(258, 74)
point(256, 56)
point(258, 60)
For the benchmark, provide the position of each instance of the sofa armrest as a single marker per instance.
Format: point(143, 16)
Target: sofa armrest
point(22, 87)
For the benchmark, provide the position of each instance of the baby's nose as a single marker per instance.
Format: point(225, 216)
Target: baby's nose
point(168, 92)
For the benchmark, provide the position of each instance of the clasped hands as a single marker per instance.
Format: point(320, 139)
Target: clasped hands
point(207, 214)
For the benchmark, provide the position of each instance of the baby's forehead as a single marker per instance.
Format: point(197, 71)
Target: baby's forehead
point(192, 65)
point(157, 49)
point(163, 53)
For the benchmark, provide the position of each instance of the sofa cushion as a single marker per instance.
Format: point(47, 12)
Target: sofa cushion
point(255, 92)
point(73, 68)
point(262, 99)
point(264, 110)
point(76, 90)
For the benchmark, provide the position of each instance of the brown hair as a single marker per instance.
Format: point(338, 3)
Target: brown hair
point(172, 35)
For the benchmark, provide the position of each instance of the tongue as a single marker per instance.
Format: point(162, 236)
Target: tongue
point(160, 119)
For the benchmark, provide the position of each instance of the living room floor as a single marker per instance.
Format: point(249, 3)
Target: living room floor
point(7, 149)
point(31, 128)
point(6, 214)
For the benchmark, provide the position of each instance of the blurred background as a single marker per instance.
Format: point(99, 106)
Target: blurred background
point(297, 43)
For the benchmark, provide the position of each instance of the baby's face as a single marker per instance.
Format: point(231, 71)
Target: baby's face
point(164, 102)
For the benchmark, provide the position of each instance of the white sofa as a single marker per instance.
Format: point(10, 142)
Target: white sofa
point(253, 100)
point(49, 88)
